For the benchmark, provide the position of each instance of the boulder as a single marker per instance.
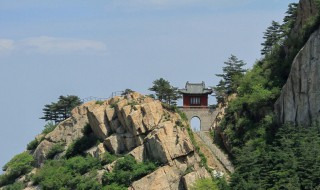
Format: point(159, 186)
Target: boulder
point(137, 125)
point(98, 121)
point(41, 152)
point(190, 178)
point(115, 144)
point(118, 109)
point(96, 151)
point(138, 153)
point(152, 114)
point(68, 131)
point(165, 177)
point(167, 143)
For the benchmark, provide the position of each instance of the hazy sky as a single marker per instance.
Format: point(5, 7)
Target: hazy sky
point(93, 48)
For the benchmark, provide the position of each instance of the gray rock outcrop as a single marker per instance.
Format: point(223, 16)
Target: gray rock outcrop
point(299, 102)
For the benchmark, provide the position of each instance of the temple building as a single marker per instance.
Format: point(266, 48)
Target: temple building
point(195, 95)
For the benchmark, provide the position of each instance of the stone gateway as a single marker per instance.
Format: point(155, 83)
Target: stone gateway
point(195, 104)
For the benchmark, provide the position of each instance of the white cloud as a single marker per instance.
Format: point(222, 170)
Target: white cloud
point(6, 45)
point(52, 45)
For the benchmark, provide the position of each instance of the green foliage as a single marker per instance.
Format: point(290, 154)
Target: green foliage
point(232, 73)
point(175, 109)
point(203, 160)
point(272, 36)
point(133, 104)
point(82, 165)
point(289, 19)
point(268, 158)
point(165, 92)
point(126, 91)
point(245, 115)
point(56, 149)
point(17, 166)
point(68, 174)
point(80, 145)
point(127, 170)
point(114, 186)
point(15, 186)
point(99, 102)
point(60, 110)
point(49, 127)
point(87, 130)
point(205, 184)
point(33, 144)
point(107, 158)
point(182, 115)
point(291, 161)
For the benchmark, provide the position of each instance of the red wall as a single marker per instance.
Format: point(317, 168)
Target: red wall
point(203, 100)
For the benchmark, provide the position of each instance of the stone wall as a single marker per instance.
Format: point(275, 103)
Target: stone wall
point(205, 115)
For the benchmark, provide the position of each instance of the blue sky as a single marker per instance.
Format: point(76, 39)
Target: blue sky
point(93, 48)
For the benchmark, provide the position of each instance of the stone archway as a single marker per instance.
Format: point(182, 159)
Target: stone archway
point(195, 123)
point(205, 115)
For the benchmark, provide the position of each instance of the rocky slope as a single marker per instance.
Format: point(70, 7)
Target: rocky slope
point(136, 125)
point(299, 101)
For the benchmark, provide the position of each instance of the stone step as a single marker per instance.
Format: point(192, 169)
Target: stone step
point(221, 156)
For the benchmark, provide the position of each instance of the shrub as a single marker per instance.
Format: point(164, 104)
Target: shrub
point(114, 186)
point(205, 184)
point(82, 165)
point(53, 175)
point(88, 182)
point(33, 144)
point(87, 130)
point(107, 158)
point(57, 148)
point(17, 166)
point(127, 170)
point(68, 174)
point(79, 146)
point(15, 186)
point(99, 102)
point(49, 127)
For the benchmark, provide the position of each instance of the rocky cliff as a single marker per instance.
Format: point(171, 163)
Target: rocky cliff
point(133, 125)
point(299, 101)
point(306, 9)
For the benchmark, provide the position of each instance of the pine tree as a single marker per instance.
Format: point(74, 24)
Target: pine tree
point(232, 73)
point(272, 36)
point(165, 92)
point(289, 19)
point(61, 110)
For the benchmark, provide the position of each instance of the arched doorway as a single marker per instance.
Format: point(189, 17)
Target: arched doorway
point(195, 123)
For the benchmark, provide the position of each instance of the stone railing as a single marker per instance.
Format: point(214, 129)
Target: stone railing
point(113, 94)
point(222, 157)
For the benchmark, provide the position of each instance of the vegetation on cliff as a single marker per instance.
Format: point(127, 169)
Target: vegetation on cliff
point(130, 141)
point(266, 155)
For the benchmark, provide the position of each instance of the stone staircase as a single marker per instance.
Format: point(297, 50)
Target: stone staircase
point(221, 156)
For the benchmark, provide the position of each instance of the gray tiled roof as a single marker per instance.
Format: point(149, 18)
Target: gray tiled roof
point(195, 88)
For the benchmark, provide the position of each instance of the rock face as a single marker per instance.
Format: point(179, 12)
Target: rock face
point(305, 10)
point(65, 133)
point(299, 101)
point(216, 123)
point(135, 125)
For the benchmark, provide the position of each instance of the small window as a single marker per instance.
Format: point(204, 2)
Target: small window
point(195, 101)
